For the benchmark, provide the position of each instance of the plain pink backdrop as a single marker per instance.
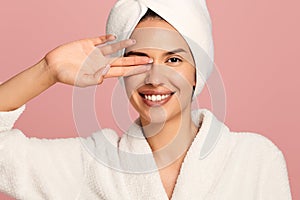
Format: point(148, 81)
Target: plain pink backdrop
point(256, 50)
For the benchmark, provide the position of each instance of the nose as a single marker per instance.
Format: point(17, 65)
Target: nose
point(155, 75)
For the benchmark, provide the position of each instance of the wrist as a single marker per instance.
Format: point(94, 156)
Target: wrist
point(48, 72)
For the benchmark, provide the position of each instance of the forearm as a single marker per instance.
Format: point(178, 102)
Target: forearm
point(24, 86)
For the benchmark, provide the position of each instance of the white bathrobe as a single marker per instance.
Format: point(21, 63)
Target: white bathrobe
point(219, 165)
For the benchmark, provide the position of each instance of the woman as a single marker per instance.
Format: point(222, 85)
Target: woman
point(161, 155)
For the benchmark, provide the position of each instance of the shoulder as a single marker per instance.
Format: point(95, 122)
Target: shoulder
point(266, 162)
point(239, 144)
point(254, 146)
point(102, 138)
point(257, 140)
point(242, 141)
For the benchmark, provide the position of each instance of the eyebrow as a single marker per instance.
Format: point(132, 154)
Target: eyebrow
point(136, 53)
point(175, 51)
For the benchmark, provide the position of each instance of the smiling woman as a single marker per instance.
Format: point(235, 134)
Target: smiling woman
point(170, 151)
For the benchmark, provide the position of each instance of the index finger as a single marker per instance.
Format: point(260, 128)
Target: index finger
point(102, 39)
point(113, 48)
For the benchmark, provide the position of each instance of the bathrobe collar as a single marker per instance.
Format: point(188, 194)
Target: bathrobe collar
point(201, 167)
point(138, 150)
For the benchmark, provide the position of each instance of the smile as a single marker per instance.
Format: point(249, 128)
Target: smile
point(156, 99)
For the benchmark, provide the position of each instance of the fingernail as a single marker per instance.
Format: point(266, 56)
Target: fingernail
point(105, 70)
point(151, 60)
point(112, 37)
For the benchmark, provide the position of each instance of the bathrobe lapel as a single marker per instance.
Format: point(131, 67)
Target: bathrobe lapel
point(201, 167)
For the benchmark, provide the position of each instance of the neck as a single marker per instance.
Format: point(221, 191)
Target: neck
point(170, 140)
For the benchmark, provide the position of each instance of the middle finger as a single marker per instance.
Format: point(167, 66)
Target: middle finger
point(133, 60)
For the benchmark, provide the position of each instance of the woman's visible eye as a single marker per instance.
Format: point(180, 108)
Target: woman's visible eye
point(174, 60)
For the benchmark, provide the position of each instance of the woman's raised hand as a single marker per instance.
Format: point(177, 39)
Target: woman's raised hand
point(83, 63)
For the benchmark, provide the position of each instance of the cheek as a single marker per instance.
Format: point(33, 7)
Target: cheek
point(184, 78)
point(132, 83)
point(190, 75)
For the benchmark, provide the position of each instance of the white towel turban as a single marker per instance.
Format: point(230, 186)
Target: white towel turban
point(189, 17)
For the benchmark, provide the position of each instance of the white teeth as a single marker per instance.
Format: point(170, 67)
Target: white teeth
point(156, 97)
point(153, 98)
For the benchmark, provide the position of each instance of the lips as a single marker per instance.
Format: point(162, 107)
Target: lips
point(156, 98)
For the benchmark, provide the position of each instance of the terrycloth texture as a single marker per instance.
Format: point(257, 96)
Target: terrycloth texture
point(190, 18)
point(239, 166)
point(9, 118)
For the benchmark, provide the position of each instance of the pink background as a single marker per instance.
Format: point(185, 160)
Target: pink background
point(256, 50)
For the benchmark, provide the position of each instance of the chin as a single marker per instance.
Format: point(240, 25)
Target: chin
point(158, 115)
